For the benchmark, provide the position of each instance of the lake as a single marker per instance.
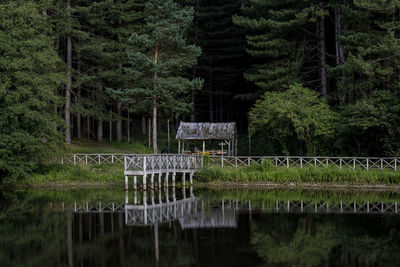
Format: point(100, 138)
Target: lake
point(199, 227)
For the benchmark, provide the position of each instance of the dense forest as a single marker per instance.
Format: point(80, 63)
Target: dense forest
point(299, 77)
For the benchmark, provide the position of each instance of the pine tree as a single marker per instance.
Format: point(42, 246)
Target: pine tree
point(371, 52)
point(160, 58)
point(30, 74)
point(223, 58)
point(287, 38)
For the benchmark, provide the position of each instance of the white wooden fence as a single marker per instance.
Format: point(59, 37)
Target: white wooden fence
point(92, 158)
point(354, 163)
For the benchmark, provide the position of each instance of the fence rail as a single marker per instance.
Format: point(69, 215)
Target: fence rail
point(93, 158)
point(366, 163)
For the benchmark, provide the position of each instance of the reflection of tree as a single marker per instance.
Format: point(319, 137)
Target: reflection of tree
point(30, 236)
point(299, 242)
point(311, 240)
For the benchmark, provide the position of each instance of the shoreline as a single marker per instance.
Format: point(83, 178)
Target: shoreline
point(216, 185)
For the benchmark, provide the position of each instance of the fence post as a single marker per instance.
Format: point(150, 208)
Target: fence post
point(99, 158)
point(74, 159)
point(381, 164)
point(354, 164)
point(301, 162)
point(367, 164)
point(340, 164)
point(287, 162)
point(248, 161)
point(395, 164)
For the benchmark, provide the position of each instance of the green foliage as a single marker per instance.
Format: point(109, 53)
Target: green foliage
point(30, 75)
point(160, 57)
point(372, 123)
point(297, 111)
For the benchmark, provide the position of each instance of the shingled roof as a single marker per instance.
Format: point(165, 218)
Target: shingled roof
point(206, 131)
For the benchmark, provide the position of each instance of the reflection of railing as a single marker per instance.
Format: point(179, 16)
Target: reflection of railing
point(299, 206)
point(159, 213)
point(89, 207)
point(336, 162)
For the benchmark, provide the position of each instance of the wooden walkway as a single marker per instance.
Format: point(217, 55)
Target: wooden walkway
point(364, 163)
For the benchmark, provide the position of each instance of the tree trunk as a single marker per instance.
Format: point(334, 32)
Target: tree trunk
point(322, 52)
point(155, 149)
point(99, 119)
point(210, 103)
point(78, 115)
point(339, 51)
point(143, 125)
point(119, 122)
point(128, 127)
point(69, 84)
point(192, 116)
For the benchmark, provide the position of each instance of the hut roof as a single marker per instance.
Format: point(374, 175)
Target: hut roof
point(206, 131)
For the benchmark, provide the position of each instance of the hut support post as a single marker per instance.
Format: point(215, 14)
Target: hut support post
point(179, 146)
point(204, 147)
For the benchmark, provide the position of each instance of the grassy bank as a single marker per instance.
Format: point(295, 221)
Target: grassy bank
point(296, 175)
point(54, 174)
point(107, 174)
point(90, 146)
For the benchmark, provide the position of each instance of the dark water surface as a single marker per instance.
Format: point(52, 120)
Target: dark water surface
point(199, 228)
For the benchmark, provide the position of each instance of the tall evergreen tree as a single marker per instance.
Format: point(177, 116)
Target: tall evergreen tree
point(30, 74)
point(160, 58)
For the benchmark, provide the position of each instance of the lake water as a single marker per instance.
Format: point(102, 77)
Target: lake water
point(199, 228)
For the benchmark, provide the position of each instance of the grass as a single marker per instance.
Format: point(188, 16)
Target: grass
point(268, 173)
point(55, 173)
point(89, 146)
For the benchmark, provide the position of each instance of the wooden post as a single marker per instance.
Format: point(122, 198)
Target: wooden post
point(126, 182)
point(191, 178)
point(179, 146)
point(183, 146)
point(134, 183)
point(144, 181)
point(183, 178)
point(301, 162)
point(204, 148)
point(152, 180)
point(166, 179)
point(173, 179)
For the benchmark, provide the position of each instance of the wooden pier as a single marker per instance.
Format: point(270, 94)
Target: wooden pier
point(160, 165)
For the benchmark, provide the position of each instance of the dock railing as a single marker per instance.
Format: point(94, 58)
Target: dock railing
point(161, 163)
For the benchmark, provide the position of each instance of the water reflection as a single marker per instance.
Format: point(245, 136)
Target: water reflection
point(171, 227)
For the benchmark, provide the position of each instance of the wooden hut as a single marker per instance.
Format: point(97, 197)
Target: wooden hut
point(225, 132)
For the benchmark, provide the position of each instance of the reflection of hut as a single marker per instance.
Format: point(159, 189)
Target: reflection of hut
point(203, 131)
point(218, 217)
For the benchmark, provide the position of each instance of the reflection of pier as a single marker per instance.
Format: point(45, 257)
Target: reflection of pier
point(191, 211)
